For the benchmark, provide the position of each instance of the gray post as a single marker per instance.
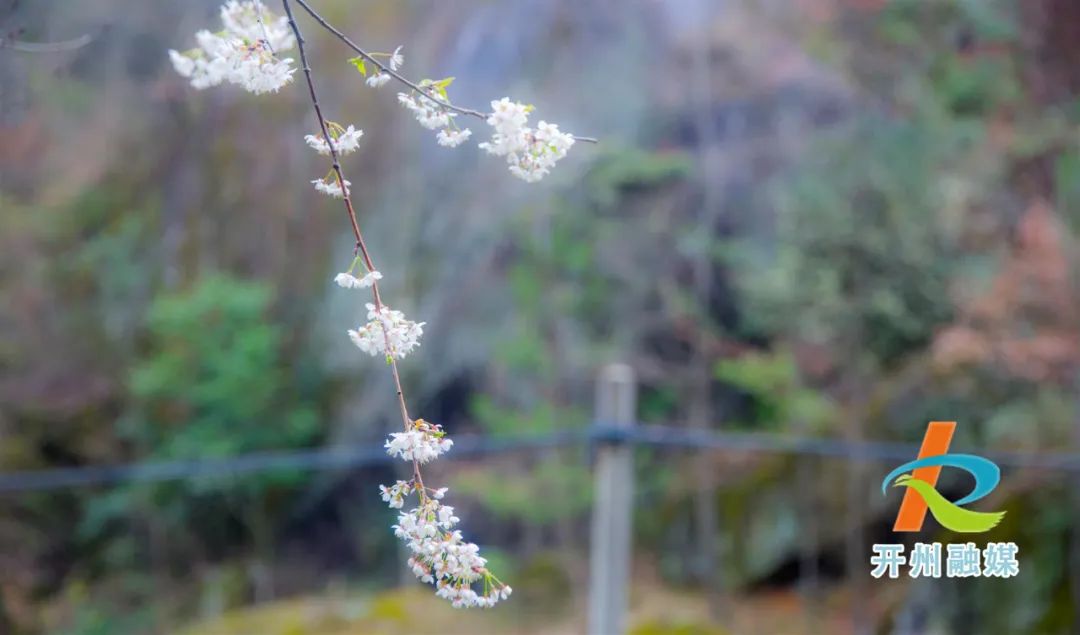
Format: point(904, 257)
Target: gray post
point(613, 493)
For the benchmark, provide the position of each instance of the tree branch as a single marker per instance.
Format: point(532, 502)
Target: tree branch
point(46, 47)
point(360, 246)
point(383, 68)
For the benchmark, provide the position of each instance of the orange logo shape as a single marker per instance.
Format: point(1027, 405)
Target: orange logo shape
point(935, 442)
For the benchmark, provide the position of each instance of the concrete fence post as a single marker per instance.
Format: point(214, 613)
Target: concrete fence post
point(613, 492)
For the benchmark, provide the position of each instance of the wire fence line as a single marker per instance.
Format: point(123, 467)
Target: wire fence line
point(329, 458)
point(864, 451)
point(472, 446)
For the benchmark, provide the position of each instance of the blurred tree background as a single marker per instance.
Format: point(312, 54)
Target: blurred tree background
point(826, 218)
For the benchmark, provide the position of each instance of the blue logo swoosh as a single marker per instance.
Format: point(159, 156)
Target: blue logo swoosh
point(987, 474)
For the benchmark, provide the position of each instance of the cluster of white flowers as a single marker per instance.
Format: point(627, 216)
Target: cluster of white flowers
point(346, 280)
point(530, 153)
point(430, 114)
point(251, 20)
point(453, 138)
point(377, 79)
point(422, 442)
point(380, 78)
point(244, 52)
point(403, 335)
point(346, 140)
point(442, 557)
point(396, 59)
point(331, 187)
point(396, 493)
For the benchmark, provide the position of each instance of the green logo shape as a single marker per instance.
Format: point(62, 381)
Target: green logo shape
point(948, 514)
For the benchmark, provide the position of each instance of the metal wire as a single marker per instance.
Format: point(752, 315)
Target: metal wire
point(471, 446)
point(862, 451)
point(341, 457)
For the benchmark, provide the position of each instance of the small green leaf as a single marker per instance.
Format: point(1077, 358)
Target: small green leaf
point(442, 84)
point(358, 62)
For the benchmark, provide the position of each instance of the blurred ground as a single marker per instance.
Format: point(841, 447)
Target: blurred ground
point(658, 610)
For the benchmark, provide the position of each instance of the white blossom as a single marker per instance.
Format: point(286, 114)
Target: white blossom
point(422, 442)
point(453, 138)
point(530, 153)
point(331, 187)
point(430, 114)
point(377, 79)
point(396, 493)
point(202, 68)
point(441, 556)
point(508, 117)
point(242, 20)
point(346, 141)
point(184, 65)
point(261, 73)
point(349, 281)
point(245, 52)
point(404, 335)
point(217, 45)
point(397, 59)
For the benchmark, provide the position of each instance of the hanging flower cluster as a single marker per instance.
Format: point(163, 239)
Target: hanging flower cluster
point(348, 281)
point(247, 51)
point(440, 555)
point(430, 114)
point(396, 59)
point(346, 140)
point(530, 153)
point(387, 333)
point(331, 187)
point(244, 52)
point(396, 493)
point(422, 442)
point(453, 138)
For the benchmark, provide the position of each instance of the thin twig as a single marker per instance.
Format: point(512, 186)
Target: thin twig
point(360, 246)
point(46, 47)
point(262, 26)
point(383, 68)
point(330, 142)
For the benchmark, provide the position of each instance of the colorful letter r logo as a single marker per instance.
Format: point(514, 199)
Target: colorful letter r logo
point(919, 479)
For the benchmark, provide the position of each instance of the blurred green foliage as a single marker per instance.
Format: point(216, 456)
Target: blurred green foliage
point(863, 255)
point(210, 384)
point(780, 399)
point(212, 381)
